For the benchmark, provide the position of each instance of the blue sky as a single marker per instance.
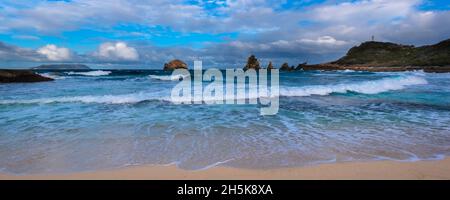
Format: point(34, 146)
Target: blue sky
point(220, 32)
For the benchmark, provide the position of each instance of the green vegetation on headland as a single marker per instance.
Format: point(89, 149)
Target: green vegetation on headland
point(382, 56)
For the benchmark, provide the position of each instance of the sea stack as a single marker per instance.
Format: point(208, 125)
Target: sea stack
point(285, 67)
point(175, 64)
point(252, 63)
point(21, 76)
point(270, 66)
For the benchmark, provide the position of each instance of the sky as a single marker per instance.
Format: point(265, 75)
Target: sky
point(221, 33)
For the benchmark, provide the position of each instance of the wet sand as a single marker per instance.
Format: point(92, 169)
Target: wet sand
point(341, 171)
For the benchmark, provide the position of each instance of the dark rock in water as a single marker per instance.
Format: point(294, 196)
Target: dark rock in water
point(270, 66)
point(252, 63)
point(21, 76)
point(384, 56)
point(61, 67)
point(300, 66)
point(175, 64)
point(285, 67)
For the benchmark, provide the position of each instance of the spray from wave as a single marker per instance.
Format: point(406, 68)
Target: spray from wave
point(169, 77)
point(366, 87)
point(91, 73)
point(52, 76)
point(105, 99)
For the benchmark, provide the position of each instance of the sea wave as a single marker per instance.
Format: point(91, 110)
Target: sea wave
point(52, 76)
point(105, 99)
point(169, 77)
point(91, 73)
point(365, 87)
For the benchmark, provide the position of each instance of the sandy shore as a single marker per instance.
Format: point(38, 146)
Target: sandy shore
point(341, 171)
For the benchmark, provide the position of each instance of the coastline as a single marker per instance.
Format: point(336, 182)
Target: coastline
point(374, 170)
point(375, 68)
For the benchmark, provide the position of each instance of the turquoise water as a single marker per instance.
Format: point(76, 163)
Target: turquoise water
point(115, 118)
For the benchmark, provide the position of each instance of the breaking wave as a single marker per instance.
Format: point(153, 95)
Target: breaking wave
point(52, 76)
point(91, 73)
point(169, 77)
point(106, 99)
point(366, 87)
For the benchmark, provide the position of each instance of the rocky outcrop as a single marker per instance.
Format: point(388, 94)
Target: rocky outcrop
point(285, 67)
point(21, 76)
point(270, 66)
point(300, 66)
point(62, 67)
point(175, 64)
point(252, 63)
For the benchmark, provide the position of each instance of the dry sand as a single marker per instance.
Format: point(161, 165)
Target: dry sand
point(340, 171)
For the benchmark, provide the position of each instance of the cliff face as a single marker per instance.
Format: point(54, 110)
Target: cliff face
point(21, 76)
point(380, 54)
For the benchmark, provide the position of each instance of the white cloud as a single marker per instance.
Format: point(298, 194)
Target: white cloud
point(54, 53)
point(324, 40)
point(263, 27)
point(117, 51)
point(364, 11)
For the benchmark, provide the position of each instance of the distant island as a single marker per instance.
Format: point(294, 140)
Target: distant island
point(61, 67)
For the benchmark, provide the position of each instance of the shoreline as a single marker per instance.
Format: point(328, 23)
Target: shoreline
point(376, 68)
point(373, 170)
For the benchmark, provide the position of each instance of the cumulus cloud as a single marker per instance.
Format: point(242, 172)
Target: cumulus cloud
point(117, 51)
point(324, 40)
point(55, 53)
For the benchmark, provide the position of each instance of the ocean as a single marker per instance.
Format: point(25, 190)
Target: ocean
point(108, 119)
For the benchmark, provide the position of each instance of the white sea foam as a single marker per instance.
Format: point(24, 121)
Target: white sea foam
point(366, 87)
point(106, 99)
point(169, 77)
point(91, 73)
point(52, 76)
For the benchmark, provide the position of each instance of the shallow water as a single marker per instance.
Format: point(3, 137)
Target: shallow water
point(114, 118)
